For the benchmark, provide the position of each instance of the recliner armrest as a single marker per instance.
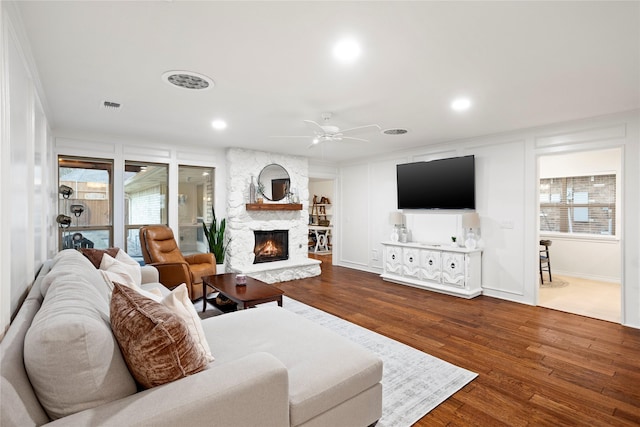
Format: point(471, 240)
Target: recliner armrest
point(172, 274)
point(207, 258)
point(250, 391)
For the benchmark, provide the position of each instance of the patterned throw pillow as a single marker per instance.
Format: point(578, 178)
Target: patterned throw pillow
point(155, 342)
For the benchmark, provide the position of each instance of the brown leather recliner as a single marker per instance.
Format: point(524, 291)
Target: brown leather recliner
point(159, 248)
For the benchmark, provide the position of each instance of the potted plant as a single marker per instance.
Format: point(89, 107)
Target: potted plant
point(215, 238)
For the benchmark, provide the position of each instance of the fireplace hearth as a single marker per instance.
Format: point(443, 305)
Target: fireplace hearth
point(271, 245)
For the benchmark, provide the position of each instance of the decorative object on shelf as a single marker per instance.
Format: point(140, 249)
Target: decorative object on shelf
point(274, 182)
point(295, 195)
point(215, 238)
point(470, 221)
point(453, 241)
point(404, 234)
point(252, 191)
point(319, 211)
point(397, 220)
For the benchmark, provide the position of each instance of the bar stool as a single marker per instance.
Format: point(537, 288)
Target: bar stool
point(545, 260)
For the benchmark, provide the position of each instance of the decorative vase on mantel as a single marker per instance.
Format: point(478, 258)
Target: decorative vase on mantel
point(252, 191)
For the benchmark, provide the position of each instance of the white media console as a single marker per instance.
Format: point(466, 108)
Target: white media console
point(447, 269)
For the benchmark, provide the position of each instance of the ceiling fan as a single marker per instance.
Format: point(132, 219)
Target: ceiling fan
point(325, 132)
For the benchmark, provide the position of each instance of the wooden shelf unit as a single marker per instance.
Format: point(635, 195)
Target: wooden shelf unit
point(274, 206)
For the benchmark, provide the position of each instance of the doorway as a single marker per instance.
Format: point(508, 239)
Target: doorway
point(579, 213)
point(322, 232)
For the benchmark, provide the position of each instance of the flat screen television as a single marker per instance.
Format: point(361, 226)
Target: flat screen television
point(437, 184)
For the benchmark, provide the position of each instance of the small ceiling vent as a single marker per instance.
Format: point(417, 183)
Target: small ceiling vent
point(110, 105)
point(188, 80)
point(395, 131)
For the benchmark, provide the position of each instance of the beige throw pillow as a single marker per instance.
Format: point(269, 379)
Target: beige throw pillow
point(178, 301)
point(155, 342)
point(122, 269)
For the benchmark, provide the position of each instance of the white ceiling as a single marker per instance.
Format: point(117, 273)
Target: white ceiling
point(523, 64)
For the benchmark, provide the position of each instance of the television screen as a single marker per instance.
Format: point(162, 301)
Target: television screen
point(438, 184)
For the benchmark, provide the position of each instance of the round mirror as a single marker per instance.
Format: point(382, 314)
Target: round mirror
point(274, 182)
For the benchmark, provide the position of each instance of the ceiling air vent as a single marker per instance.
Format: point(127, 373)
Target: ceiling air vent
point(395, 131)
point(110, 105)
point(188, 80)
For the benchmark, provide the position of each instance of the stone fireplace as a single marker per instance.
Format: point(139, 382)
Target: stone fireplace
point(270, 246)
point(245, 229)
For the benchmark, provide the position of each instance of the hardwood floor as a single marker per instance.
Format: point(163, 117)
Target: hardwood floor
point(536, 366)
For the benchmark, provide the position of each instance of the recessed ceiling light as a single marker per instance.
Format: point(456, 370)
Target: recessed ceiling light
point(347, 50)
point(219, 124)
point(188, 80)
point(461, 104)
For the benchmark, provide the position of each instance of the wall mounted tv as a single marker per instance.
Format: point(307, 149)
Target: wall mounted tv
point(437, 184)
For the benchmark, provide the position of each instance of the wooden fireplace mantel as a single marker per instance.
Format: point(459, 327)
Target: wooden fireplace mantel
point(274, 206)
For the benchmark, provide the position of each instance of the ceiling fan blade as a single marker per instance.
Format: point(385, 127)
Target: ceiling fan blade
point(290, 136)
point(317, 127)
point(361, 129)
point(355, 139)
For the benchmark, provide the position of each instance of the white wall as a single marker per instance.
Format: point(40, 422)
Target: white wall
point(591, 257)
point(25, 205)
point(507, 202)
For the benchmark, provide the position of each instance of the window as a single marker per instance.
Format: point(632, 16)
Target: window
point(145, 200)
point(88, 204)
point(579, 205)
point(195, 198)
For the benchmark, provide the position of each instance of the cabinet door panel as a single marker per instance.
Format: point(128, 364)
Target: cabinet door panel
point(430, 266)
point(453, 269)
point(393, 260)
point(410, 262)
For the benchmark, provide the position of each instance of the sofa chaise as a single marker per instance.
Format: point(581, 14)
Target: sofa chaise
point(271, 368)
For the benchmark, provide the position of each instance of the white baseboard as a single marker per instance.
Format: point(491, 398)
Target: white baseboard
point(585, 276)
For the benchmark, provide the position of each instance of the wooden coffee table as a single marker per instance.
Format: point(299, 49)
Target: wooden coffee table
point(245, 296)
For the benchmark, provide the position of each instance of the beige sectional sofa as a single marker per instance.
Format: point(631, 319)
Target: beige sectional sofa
point(61, 365)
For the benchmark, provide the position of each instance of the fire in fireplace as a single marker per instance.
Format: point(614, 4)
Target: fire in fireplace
point(272, 245)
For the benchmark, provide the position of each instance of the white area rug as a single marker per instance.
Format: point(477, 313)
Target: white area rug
point(413, 382)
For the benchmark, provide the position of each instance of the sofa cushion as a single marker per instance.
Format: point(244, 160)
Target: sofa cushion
point(95, 255)
point(70, 354)
point(324, 368)
point(155, 342)
point(70, 260)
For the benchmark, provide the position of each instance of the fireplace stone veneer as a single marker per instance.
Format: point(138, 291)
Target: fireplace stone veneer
point(242, 165)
